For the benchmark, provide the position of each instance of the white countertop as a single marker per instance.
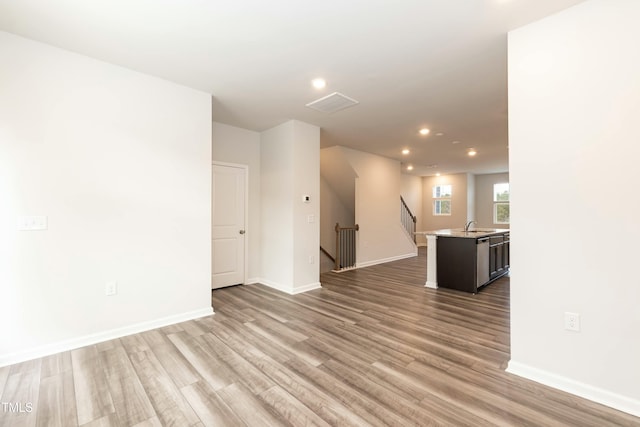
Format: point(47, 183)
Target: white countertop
point(474, 233)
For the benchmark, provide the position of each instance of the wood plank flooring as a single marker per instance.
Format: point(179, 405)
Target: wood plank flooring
point(372, 347)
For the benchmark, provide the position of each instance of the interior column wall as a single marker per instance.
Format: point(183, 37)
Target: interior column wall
point(290, 169)
point(574, 103)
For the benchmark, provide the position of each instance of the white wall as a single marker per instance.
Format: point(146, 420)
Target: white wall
point(120, 163)
point(276, 162)
point(574, 103)
point(241, 146)
point(290, 168)
point(484, 198)
point(339, 175)
point(459, 202)
point(381, 237)
point(471, 197)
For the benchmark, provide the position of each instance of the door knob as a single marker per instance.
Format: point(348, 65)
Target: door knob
point(241, 232)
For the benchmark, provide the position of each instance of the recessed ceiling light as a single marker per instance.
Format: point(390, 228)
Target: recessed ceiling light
point(319, 83)
point(438, 174)
point(405, 151)
point(455, 142)
point(439, 134)
point(424, 131)
point(472, 152)
point(409, 168)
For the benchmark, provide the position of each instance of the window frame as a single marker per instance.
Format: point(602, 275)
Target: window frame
point(438, 200)
point(498, 203)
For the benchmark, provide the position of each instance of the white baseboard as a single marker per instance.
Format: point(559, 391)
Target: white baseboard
point(382, 261)
point(307, 288)
point(72, 344)
point(343, 270)
point(287, 289)
point(252, 280)
point(602, 396)
point(275, 285)
point(431, 285)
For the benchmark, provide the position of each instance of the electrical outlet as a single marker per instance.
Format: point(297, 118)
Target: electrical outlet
point(111, 289)
point(572, 321)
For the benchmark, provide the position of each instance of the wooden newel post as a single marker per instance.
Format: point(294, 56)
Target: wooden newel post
point(337, 246)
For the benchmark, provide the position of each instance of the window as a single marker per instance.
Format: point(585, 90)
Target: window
point(501, 203)
point(442, 200)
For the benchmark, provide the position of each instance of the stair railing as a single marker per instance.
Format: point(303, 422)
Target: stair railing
point(345, 247)
point(408, 219)
point(327, 254)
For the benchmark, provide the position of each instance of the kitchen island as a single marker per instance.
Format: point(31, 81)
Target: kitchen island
point(466, 260)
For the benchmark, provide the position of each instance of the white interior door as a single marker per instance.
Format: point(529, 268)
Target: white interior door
point(228, 226)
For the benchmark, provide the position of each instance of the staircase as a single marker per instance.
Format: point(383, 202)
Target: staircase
point(408, 219)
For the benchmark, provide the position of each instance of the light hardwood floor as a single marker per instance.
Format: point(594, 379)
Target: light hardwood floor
point(372, 347)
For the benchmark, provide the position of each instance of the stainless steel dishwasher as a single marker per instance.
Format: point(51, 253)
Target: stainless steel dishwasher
point(482, 261)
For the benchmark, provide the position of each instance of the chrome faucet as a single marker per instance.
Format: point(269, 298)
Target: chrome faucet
point(467, 225)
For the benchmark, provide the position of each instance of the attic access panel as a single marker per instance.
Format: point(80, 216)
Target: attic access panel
point(332, 103)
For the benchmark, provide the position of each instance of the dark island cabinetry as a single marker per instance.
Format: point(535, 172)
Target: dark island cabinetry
point(498, 255)
point(467, 264)
point(456, 263)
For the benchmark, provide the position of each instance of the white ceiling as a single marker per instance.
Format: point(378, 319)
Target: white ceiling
point(410, 63)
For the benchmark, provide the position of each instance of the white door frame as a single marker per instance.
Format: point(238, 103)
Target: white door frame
point(247, 228)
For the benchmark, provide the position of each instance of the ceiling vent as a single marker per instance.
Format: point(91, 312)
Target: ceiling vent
point(332, 103)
